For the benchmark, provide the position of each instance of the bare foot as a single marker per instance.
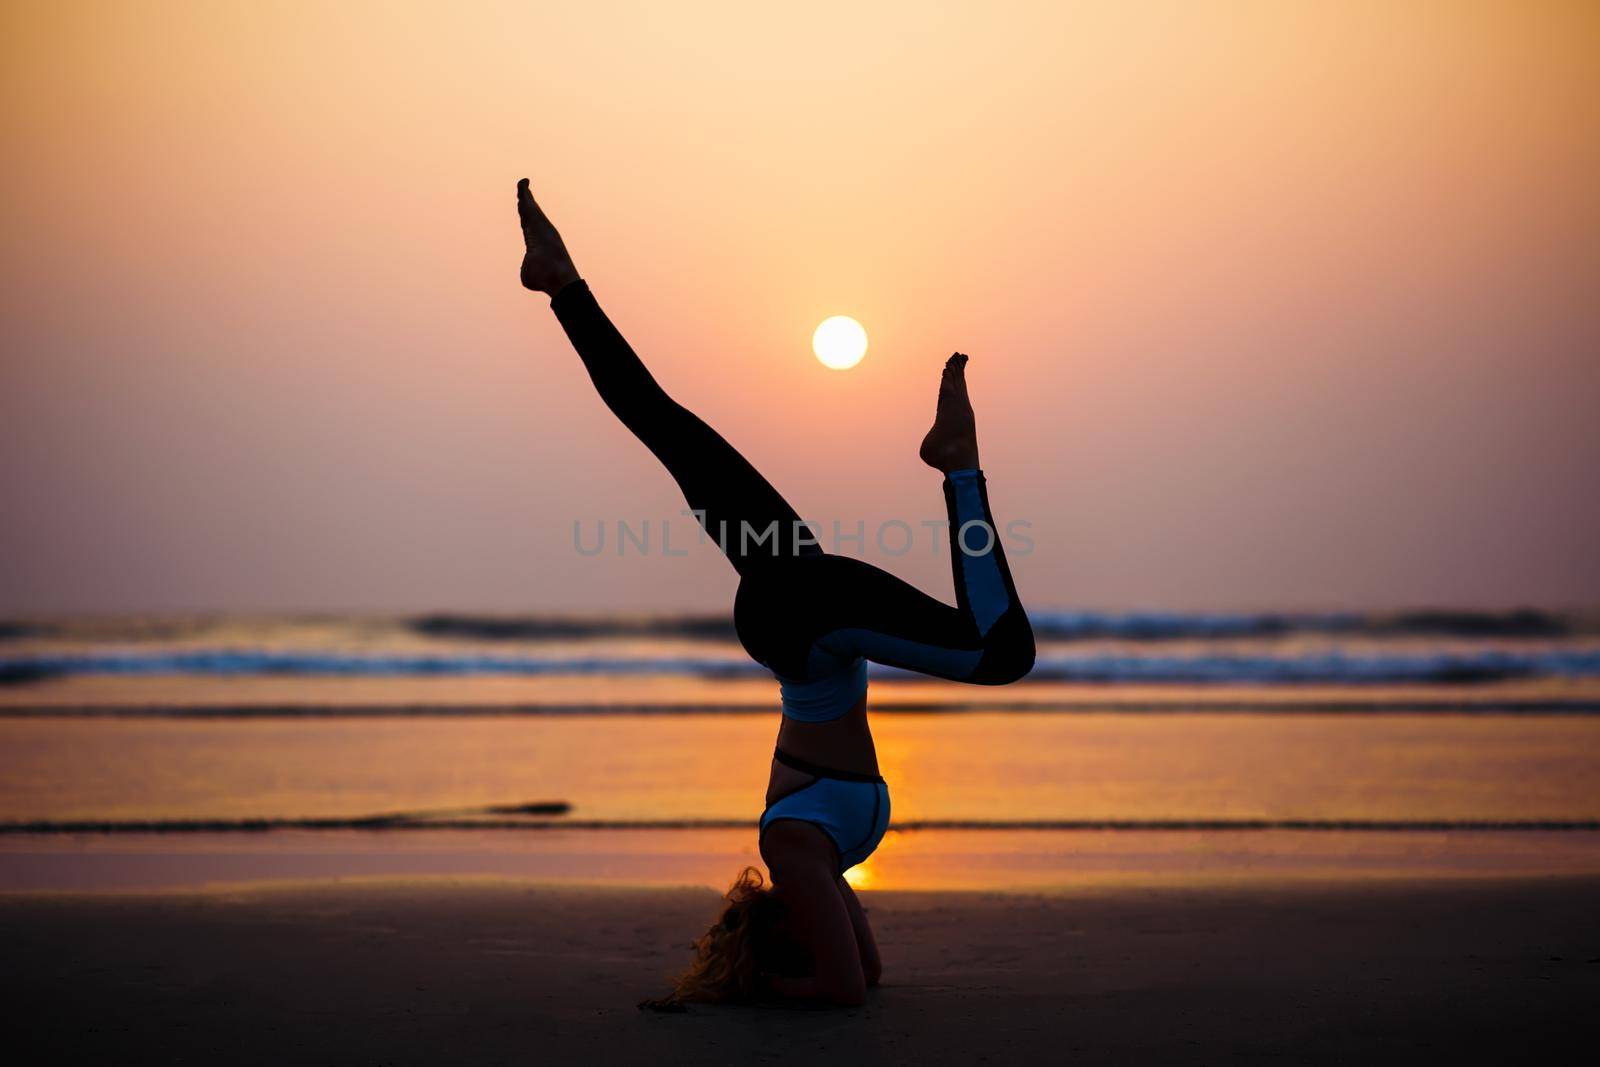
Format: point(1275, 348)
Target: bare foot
point(952, 444)
point(546, 266)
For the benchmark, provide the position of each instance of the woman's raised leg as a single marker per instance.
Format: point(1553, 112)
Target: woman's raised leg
point(739, 508)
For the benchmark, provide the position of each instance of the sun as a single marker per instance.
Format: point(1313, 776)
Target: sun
point(839, 342)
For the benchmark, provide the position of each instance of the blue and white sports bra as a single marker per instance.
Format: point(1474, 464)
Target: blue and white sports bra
point(828, 697)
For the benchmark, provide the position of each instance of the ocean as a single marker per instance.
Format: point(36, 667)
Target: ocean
point(1291, 649)
point(140, 751)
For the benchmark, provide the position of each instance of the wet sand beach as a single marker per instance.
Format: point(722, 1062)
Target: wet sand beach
point(516, 972)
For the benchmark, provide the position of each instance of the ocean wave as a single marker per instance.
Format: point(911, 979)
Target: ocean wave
point(1049, 625)
point(1165, 626)
point(272, 661)
point(555, 627)
point(1313, 668)
point(1059, 625)
point(1324, 668)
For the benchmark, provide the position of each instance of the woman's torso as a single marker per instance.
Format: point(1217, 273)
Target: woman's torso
point(843, 744)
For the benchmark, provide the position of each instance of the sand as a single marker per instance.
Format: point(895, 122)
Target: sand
point(509, 972)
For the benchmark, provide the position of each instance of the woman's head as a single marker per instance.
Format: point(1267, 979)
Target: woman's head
point(747, 939)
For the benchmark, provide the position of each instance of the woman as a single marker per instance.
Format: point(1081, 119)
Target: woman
point(813, 619)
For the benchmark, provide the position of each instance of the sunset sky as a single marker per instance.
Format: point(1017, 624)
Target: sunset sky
point(1270, 305)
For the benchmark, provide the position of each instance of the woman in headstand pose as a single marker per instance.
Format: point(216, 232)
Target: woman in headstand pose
point(814, 619)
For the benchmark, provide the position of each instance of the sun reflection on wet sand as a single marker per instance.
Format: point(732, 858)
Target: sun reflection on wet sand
point(865, 875)
point(978, 766)
point(1030, 860)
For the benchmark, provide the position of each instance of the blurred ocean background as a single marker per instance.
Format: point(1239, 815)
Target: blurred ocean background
point(1407, 647)
point(162, 749)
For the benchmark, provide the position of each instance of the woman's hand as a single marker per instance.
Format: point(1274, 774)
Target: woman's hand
point(546, 266)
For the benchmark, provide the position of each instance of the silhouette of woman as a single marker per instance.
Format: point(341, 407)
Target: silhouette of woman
point(813, 619)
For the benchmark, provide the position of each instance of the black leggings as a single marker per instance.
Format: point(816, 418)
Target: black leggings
point(800, 611)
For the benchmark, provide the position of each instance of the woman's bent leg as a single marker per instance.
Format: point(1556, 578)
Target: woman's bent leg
point(819, 614)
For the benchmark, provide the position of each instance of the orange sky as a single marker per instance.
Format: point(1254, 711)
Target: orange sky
point(1271, 305)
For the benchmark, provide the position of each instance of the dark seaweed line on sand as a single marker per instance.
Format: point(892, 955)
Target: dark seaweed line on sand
point(1190, 706)
point(423, 822)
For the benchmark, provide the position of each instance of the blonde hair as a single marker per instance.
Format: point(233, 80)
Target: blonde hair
point(726, 967)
